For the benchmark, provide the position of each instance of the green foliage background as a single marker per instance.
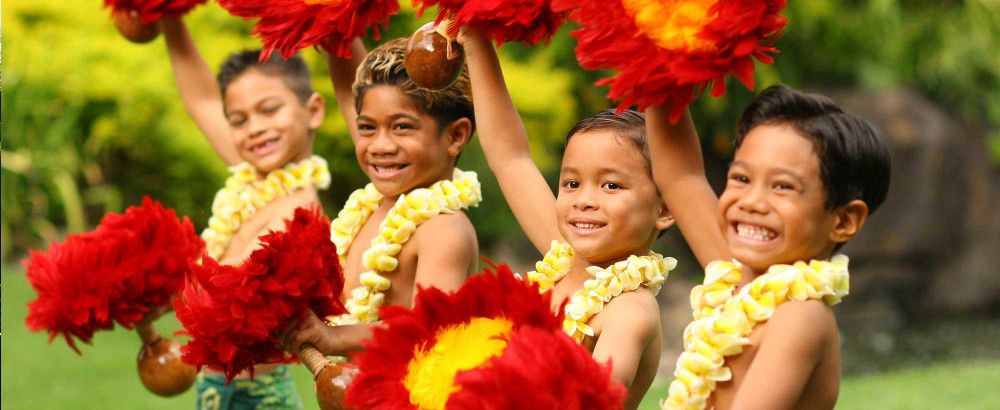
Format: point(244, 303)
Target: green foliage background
point(94, 122)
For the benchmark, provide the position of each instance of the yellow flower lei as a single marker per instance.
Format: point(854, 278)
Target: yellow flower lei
point(722, 321)
point(622, 276)
point(412, 209)
point(243, 194)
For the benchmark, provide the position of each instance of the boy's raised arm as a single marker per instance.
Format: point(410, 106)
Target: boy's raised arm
point(342, 72)
point(505, 143)
point(198, 89)
point(680, 174)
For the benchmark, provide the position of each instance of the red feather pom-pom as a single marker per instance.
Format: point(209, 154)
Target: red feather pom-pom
point(540, 369)
point(130, 264)
point(151, 10)
point(232, 313)
point(673, 49)
point(522, 21)
point(291, 25)
point(392, 354)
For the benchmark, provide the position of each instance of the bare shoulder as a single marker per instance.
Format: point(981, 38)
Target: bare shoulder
point(446, 228)
point(636, 310)
point(811, 323)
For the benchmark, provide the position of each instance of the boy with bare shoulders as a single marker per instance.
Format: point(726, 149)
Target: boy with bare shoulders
point(805, 177)
point(597, 233)
point(407, 228)
point(261, 118)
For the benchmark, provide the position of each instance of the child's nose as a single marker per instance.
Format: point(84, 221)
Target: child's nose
point(754, 200)
point(382, 144)
point(585, 200)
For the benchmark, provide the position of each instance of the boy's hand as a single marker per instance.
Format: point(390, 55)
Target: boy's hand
point(473, 41)
point(311, 329)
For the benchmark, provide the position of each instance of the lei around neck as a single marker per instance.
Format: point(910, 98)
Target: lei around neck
point(623, 276)
point(243, 194)
point(412, 209)
point(723, 320)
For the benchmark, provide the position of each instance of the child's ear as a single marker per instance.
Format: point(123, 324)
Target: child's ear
point(849, 220)
point(458, 134)
point(665, 219)
point(316, 106)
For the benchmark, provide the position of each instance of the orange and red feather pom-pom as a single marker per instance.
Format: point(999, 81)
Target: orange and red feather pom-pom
point(233, 313)
point(384, 364)
point(291, 25)
point(151, 10)
point(523, 21)
point(664, 51)
point(546, 369)
point(130, 264)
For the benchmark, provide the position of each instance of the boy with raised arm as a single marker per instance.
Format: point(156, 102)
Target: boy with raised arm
point(407, 227)
point(261, 118)
point(805, 177)
point(597, 233)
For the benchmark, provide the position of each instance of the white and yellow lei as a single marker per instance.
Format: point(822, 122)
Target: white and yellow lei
point(623, 276)
point(243, 194)
point(722, 320)
point(412, 209)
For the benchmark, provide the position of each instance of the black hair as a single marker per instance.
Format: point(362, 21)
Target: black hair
point(854, 160)
point(293, 71)
point(629, 126)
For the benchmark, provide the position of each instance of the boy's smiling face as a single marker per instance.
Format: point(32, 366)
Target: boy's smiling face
point(270, 125)
point(772, 209)
point(608, 207)
point(400, 146)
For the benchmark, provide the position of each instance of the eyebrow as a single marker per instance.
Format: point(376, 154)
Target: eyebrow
point(601, 171)
point(392, 117)
point(776, 170)
point(228, 112)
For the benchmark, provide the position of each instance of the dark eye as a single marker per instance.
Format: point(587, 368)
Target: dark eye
point(237, 121)
point(402, 126)
point(366, 127)
point(571, 184)
point(783, 186)
point(611, 186)
point(271, 109)
point(739, 178)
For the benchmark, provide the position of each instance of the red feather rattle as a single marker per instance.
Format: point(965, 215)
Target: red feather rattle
point(291, 25)
point(433, 58)
point(233, 313)
point(136, 19)
point(495, 343)
point(130, 266)
point(673, 49)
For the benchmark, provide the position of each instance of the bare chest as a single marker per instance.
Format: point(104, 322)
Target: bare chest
point(244, 240)
point(402, 278)
point(739, 364)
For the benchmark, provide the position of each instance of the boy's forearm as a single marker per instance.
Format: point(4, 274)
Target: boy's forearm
point(501, 131)
point(348, 338)
point(197, 87)
point(342, 74)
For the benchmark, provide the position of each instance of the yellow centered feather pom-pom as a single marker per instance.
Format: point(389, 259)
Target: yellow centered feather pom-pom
point(673, 25)
point(430, 375)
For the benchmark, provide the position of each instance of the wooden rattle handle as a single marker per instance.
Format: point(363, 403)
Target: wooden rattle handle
point(312, 358)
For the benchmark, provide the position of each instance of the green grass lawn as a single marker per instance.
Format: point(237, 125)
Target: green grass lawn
point(37, 375)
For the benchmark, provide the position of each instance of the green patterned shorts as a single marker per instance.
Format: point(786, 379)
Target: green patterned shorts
point(274, 390)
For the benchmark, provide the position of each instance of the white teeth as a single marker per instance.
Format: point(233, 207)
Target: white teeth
point(266, 144)
point(758, 233)
point(586, 226)
point(380, 168)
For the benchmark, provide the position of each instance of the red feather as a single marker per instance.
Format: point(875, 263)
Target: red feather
point(232, 313)
point(383, 364)
point(540, 369)
point(291, 25)
point(522, 21)
point(130, 264)
point(152, 10)
point(609, 38)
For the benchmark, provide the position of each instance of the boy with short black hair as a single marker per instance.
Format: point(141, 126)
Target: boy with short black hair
point(805, 177)
point(597, 233)
point(408, 226)
point(261, 118)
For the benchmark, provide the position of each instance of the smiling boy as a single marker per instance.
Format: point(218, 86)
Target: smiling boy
point(597, 233)
point(407, 228)
point(805, 177)
point(261, 118)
